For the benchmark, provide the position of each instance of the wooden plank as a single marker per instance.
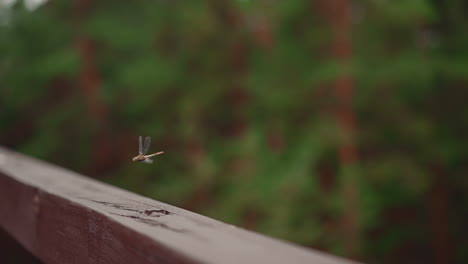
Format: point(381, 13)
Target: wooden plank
point(63, 217)
point(13, 252)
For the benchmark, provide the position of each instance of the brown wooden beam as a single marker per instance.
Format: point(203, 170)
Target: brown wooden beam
point(63, 217)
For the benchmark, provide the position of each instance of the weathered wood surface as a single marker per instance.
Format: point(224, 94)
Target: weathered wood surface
point(63, 217)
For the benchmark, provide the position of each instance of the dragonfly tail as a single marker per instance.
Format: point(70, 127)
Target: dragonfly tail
point(155, 154)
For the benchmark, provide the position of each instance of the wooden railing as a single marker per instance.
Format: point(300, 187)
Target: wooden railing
point(63, 217)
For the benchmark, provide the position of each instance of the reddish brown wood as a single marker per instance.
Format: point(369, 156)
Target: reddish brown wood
point(338, 14)
point(90, 85)
point(440, 217)
point(90, 79)
point(63, 217)
point(13, 252)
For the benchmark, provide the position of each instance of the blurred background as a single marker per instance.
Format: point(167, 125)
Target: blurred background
point(336, 124)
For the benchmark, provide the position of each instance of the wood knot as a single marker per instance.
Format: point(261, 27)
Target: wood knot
point(161, 211)
point(36, 201)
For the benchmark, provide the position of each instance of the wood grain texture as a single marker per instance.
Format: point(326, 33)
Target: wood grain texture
point(63, 217)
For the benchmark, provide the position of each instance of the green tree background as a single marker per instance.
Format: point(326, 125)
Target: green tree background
point(340, 125)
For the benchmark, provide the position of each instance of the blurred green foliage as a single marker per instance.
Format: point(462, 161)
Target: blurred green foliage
point(236, 93)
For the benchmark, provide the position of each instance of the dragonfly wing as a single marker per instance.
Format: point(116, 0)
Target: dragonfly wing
point(148, 161)
point(140, 145)
point(147, 144)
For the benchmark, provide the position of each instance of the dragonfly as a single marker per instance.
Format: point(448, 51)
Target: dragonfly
point(142, 149)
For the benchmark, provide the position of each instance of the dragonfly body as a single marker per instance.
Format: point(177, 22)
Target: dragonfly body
point(142, 149)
